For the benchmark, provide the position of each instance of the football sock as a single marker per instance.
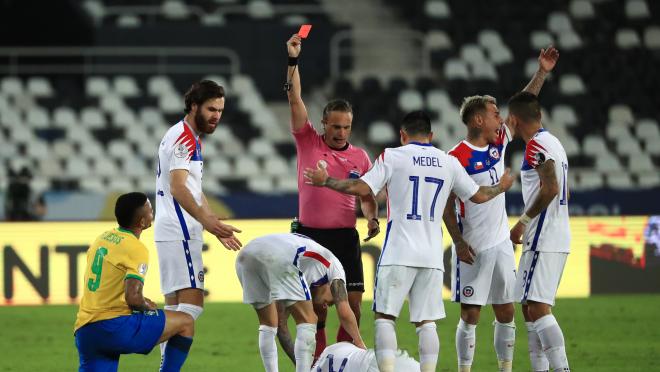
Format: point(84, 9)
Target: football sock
point(505, 339)
point(164, 343)
point(268, 348)
point(465, 344)
point(342, 335)
point(320, 339)
point(429, 347)
point(385, 344)
point(176, 353)
point(552, 340)
point(536, 355)
point(304, 346)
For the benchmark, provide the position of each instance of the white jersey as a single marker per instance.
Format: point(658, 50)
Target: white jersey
point(180, 148)
point(483, 225)
point(418, 179)
point(550, 230)
point(318, 264)
point(346, 357)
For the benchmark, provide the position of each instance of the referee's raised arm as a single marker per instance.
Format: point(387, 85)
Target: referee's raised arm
point(298, 110)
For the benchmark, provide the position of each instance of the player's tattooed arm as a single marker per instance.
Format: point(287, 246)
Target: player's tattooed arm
point(319, 177)
point(344, 312)
point(134, 298)
point(547, 61)
point(283, 334)
point(464, 252)
point(549, 188)
point(486, 193)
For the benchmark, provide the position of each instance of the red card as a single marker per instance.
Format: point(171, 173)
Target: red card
point(304, 31)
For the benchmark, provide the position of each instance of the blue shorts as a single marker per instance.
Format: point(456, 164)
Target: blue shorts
point(101, 343)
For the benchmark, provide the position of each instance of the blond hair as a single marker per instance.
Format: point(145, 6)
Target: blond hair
point(473, 104)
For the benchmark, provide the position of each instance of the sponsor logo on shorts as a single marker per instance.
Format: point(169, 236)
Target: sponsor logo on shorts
point(200, 276)
point(468, 291)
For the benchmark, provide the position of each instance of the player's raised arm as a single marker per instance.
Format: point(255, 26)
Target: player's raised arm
point(547, 61)
point(134, 297)
point(298, 110)
point(486, 193)
point(344, 312)
point(201, 213)
point(548, 190)
point(319, 177)
point(464, 252)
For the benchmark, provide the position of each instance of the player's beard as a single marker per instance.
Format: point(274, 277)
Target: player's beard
point(203, 125)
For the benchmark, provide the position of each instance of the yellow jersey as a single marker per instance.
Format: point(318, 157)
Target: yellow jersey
point(115, 256)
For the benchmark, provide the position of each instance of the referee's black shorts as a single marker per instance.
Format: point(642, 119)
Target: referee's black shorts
point(344, 243)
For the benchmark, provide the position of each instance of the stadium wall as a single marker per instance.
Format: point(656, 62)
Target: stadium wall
point(43, 263)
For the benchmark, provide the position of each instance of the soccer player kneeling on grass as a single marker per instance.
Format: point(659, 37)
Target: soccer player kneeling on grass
point(114, 317)
point(294, 270)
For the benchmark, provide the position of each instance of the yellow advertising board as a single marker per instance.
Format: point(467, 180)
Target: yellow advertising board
point(44, 262)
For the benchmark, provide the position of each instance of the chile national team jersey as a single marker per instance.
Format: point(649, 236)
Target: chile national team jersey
point(483, 225)
point(418, 178)
point(550, 230)
point(181, 148)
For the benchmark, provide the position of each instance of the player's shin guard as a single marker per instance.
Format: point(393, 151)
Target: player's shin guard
point(536, 355)
point(193, 310)
point(465, 344)
point(552, 340)
point(164, 343)
point(304, 346)
point(268, 348)
point(385, 344)
point(176, 353)
point(320, 339)
point(429, 347)
point(505, 339)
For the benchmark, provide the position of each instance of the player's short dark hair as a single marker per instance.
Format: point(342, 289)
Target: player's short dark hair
point(127, 206)
point(473, 105)
point(339, 104)
point(416, 123)
point(525, 106)
point(201, 92)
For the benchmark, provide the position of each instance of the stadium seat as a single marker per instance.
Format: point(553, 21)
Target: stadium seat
point(571, 85)
point(276, 165)
point(652, 146)
point(489, 39)
point(410, 100)
point(616, 130)
point(247, 166)
point(95, 9)
point(484, 71)
point(438, 40)
point(105, 166)
point(261, 147)
point(456, 69)
point(594, 145)
point(125, 86)
point(652, 37)
point(438, 99)
point(437, 9)
point(119, 149)
point(540, 39)
point(581, 9)
point(219, 167)
point(627, 38)
point(619, 181)
point(286, 184)
point(569, 40)
point(500, 55)
point(636, 9)
point(62, 150)
point(261, 184)
point(129, 21)
point(648, 180)
point(170, 103)
point(175, 9)
point(590, 180)
point(260, 9)
point(531, 66)
point(647, 128)
point(608, 163)
point(564, 114)
point(160, 84)
point(381, 133)
point(640, 163)
point(97, 86)
point(64, 116)
point(37, 118)
point(120, 184)
point(559, 22)
point(77, 167)
point(627, 146)
point(50, 167)
point(621, 114)
point(39, 87)
point(91, 150)
point(472, 54)
point(152, 116)
point(112, 103)
point(91, 117)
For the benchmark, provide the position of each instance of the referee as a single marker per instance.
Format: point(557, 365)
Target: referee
point(327, 216)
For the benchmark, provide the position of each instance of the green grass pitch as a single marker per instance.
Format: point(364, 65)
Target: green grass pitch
point(603, 333)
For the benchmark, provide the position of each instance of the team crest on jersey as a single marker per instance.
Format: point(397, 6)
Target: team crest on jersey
point(200, 276)
point(181, 151)
point(494, 153)
point(540, 158)
point(468, 291)
point(142, 269)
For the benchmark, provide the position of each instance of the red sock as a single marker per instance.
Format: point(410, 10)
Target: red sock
point(342, 335)
point(320, 342)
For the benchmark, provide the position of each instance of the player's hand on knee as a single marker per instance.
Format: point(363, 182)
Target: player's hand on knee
point(517, 232)
point(465, 252)
point(150, 304)
point(232, 243)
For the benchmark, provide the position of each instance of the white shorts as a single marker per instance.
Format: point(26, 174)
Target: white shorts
point(180, 265)
point(266, 278)
point(489, 280)
point(539, 274)
point(422, 286)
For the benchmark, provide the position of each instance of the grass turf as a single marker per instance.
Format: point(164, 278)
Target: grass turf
point(603, 333)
